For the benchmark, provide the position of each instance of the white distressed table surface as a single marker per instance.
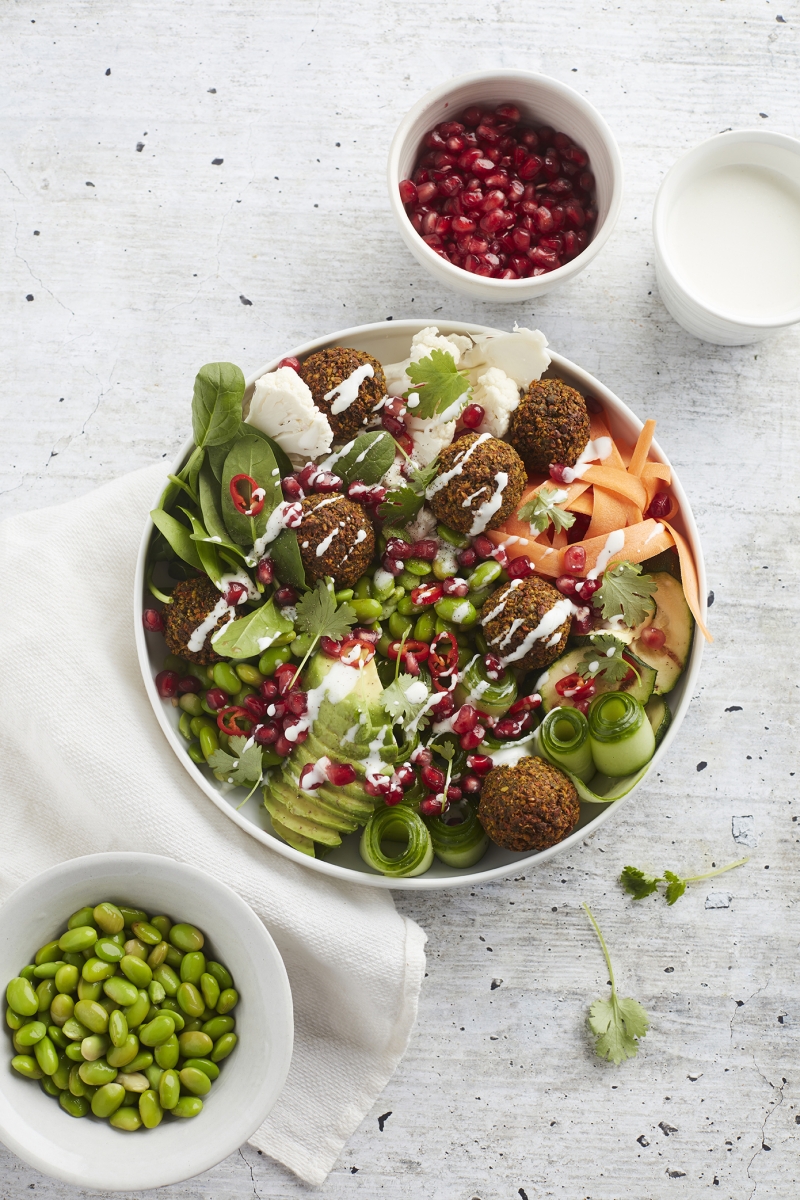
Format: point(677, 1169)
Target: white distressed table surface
point(128, 259)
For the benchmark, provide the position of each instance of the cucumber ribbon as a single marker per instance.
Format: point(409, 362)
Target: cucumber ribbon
point(397, 824)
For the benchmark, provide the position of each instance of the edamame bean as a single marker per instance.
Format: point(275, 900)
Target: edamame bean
point(137, 1011)
point(220, 973)
point(46, 1055)
point(366, 610)
point(210, 989)
point(168, 1053)
point(107, 1099)
point(192, 706)
point(425, 628)
point(27, 1065)
point(205, 1065)
point(57, 1037)
point(418, 566)
point(162, 924)
point(169, 1089)
point(150, 1110)
point(158, 1030)
point(190, 999)
point(137, 914)
point(75, 1030)
point(273, 658)
point(226, 678)
point(250, 675)
point(216, 1026)
point(192, 966)
point(344, 595)
point(14, 1020)
point(399, 625)
point(127, 1119)
point(407, 608)
point(132, 1081)
point(89, 991)
point(201, 723)
point(124, 1055)
point(79, 938)
point(21, 997)
point(146, 933)
point(209, 742)
point(143, 1059)
point(121, 991)
point(460, 612)
point(447, 534)
point(135, 949)
point(185, 721)
point(188, 1106)
point(67, 978)
point(228, 999)
point(27, 972)
point(48, 953)
point(136, 970)
point(195, 1081)
point(99, 1072)
point(31, 1033)
point(49, 1087)
point(174, 955)
point(47, 970)
point(84, 916)
point(171, 1009)
point(153, 1074)
point(92, 1015)
point(109, 950)
point(223, 1047)
point(482, 576)
point(167, 978)
point(407, 581)
point(73, 1052)
point(76, 1085)
point(76, 1106)
point(60, 1076)
point(193, 1024)
point(95, 970)
point(445, 564)
point(155, 991)
point(108, 917)
point(94, 1046)
point(195, 1044)
point(157, 955)
point(46, 993)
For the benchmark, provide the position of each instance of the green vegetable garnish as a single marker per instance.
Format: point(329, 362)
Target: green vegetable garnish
point(399, 708)
point(639, 883)
point(626, 592)
point(217, 403)
point(617, 1024)
point(604, 657)
point(543, 510)
point(318, 616)
point(438, 385)
point(402, 504)
point(241, 767)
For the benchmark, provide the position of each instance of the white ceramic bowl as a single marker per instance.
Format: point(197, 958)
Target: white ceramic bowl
point(389, 341)
point(541, 100)
point(740, 147)
point(89, 1153)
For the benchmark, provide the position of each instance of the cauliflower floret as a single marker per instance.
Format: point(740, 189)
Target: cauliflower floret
point(498, 396)
point(521, 354)
point(455, 344)
point(394, 477)
point(423, 525)
point(283, 407)
point(430, 437)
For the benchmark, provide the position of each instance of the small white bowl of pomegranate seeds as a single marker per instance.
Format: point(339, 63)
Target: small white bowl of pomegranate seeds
point(504, 183)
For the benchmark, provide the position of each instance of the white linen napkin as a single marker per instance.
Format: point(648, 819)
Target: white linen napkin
point(87, 769)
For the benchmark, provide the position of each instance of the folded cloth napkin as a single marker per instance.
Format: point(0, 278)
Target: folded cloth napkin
point(87, 769)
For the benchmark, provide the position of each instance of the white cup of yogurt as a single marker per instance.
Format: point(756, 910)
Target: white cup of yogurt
point(726, 225)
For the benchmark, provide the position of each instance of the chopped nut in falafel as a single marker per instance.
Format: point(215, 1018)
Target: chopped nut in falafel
point(528, 807)
point(480, 483)
point(335, 538)
point(527, 622)
point(193, 602)
point(551, 425)
point(346, 385)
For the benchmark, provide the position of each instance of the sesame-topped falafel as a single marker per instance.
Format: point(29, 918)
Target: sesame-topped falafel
point(192, 601)
point(349, 411)
point(517, 610)
point(550, 425)
point(528, 807)
point(480, 483)
point(335, 538)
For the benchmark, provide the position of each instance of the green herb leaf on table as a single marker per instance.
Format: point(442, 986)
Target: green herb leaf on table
point(368, 458)
point(252, 634)
point(438, 385)
point(397, 704)
point(285, 553)
point(675, 887)
point(639, 884)
point(626, 592)
point(543, 510)
point(250, 456)
point(604, 657)
point(618, 1024)
point(217, 403)
point(178, 536)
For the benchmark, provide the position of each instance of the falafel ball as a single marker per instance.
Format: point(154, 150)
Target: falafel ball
point(550, 425)
point(335, 538)
point(192, 601)
point(515, 611)
point(326, 370)
point(480, 483)
point(528, 807)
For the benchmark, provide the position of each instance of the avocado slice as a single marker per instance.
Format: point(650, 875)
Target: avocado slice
point(641, 688)
point(673, 618)
point(307, 829)
point(295, 840)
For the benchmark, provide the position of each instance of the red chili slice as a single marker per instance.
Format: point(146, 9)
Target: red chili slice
point(575, 687)
point(227, 718)
point(249, 505)
point(420, 650)
point(442, 663)
point(356, 653)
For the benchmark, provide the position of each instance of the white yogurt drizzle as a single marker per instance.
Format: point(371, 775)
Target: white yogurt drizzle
point(275, 525)
point(336, 686)
point(199, 635)
point(344, 394)
point(600, 449)
point(445, 477)
point(561, 611)
point(654, 532)
point(614, 543)
point(483, 515)
point(515, 583)
point(326, 542)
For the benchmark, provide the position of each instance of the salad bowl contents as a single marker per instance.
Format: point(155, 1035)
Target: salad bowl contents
point(419, 613)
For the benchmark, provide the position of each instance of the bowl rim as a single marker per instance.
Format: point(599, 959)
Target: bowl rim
point(662, 207)
point(423, 882)
point(507, 286)
point(246, 923)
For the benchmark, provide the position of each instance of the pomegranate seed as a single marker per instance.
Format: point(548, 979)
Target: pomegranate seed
point(378, 786)
point(652, 637)
point(293, 516)
point(393, 795)
point(405, 441)
point(483, 546)
point(431, 806)
point(189, 683)
point(426, 192)
point(471, 785)
point(659, 506)
point(583, 622)
point(473, 739)
point(283, 746)
point(235, 593)
point(566, 585)
point(408, 191)
point(405, 775)
point(473, 415)
point(294, 732)
point(266, 734)
point(426, 550)
point(393, 565)
point(451, 185)
point(398, 548)
point(462, 225)
point(444, 708)
point(422, 756)
point(557, 472)
point(340, 774)
point(467, 557)
point(574, 560)
point(511, 727)
point(359, 634)
point(268, 690)
point(292, 363)
point(587, 587)
point(525, 704)
point(284, 674)
point(455, 587)
point(256, 707)
point(481, 764)
point(330, 647)
point(370, 496)
point(574, 215)
point(494, 667)
point(465, 719)
point(433, 778)
point(309, 779)
point(153, 620)
point(285, 596)
point(325, 481)
point(216, 698)
point(277, 710)
point(265, 571)
point(290, 486)
point(520, 567)
point(167, 684)
point(297, 702)
point(453, 794)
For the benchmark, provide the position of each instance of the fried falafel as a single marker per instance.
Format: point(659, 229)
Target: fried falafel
point(480, 483)
point(193, 600)
point(336, 538)
point(518, 610)
point(550, 425)
point(343, 388)
point(528, 807)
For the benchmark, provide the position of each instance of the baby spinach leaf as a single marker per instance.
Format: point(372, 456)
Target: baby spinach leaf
point(368, 458)
point(178, 537)
point(206, 550)
point(217, 403)
point(216, 458)
point(210, 504)
point(285, 553)
point(281, 457)
point(178, 483)
point(253, 634)
point(250, 456)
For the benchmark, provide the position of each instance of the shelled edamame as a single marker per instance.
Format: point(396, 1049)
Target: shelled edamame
point(123, 1016)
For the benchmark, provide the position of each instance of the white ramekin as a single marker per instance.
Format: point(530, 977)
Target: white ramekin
point(540, 99)
point(739, 147)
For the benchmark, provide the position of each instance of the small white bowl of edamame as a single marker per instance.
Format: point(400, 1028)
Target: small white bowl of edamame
point(90, 1153)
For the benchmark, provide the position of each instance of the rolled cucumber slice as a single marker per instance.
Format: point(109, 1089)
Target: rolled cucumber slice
point(659, 716)
point(604, 788)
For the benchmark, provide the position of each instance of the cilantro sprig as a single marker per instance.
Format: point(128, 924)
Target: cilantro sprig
point(626, 592)
point(402, 504)
point(318, 616)
point(605, 657)
point(437, 385)
point(639, 883)
point(543, 510)
point(396, 702)
point(241, 767)
point(618, 1024)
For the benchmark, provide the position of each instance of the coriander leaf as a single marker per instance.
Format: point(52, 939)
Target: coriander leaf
point(638, 883)
point(604, 657)
point(626, 592)
point(318, 615)
point(401, 708)
point(421, 478)
point(241, 767)
point(400, 506)
point(543, 509)
point(446, 749)
point(616, 1023)
point(675, 887)
point(438, 386)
